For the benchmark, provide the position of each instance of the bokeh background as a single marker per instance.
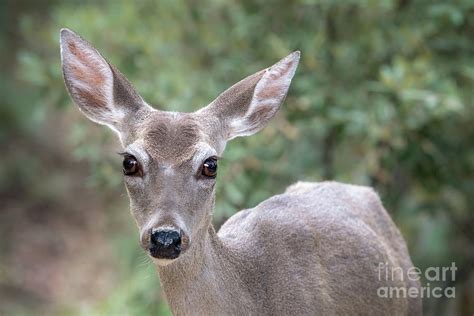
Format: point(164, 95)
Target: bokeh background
point(383, 97)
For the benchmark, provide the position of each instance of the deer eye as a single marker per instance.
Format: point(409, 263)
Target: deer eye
point(131, 166)
point(209, 167)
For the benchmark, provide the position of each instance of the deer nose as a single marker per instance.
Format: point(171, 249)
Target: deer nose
point(165, 243)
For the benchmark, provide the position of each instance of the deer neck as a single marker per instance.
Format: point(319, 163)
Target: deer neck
point(205, 280)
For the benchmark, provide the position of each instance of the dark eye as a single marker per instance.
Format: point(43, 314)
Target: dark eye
point(209, 167)
point(131, 166)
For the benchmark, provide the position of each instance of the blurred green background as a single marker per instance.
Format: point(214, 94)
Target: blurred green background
point(383, 97)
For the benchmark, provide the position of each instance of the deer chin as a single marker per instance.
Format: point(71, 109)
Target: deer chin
point(163, 262)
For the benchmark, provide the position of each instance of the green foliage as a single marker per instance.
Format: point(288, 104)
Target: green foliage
point(383, 97)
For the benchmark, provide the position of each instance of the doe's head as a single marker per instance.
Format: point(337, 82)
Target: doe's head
point(170, 158)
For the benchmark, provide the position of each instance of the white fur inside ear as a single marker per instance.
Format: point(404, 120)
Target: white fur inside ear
point(89, 79)
point(273, 86)
point(268, 95)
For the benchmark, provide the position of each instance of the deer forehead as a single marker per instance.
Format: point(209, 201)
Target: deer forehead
point(174, 138)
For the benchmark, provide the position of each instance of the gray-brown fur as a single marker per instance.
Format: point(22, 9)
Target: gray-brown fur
point(313, 250)
point(171, 138)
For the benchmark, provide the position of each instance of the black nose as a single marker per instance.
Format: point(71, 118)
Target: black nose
point(165, 244)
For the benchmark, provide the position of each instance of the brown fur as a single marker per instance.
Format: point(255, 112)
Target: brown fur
point(123, 91)
point(171, 138)
point(319, 263)
point(93, 96)
point(239, 95)
point(313, 250)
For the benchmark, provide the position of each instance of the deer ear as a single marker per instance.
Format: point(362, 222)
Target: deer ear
point(102, 93)
point(247, 107)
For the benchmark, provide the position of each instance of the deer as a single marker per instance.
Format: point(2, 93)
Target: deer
point(315, 249)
